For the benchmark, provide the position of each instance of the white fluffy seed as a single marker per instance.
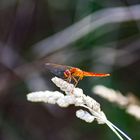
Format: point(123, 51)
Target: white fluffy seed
point(84, 115)
point(62, 103)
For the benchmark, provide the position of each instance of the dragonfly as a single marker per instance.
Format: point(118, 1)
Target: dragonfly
point(70, 73)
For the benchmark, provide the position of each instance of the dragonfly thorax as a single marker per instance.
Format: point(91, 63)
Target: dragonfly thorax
point(76, 72)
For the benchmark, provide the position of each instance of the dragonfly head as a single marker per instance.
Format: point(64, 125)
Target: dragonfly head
point(67, 73)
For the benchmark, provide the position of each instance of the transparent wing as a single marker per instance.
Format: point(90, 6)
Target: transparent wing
point(56, 69)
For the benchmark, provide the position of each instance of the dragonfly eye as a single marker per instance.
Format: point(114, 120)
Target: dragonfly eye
point(67, 73)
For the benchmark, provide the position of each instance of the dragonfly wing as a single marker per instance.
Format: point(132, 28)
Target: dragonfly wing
point(56, 69)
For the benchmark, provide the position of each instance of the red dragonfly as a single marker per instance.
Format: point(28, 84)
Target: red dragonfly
point(71, 73)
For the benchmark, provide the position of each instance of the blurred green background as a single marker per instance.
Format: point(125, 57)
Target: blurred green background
point(94, 35)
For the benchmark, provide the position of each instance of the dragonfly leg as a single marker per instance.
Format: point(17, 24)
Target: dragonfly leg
point(69, 79)
point(76, 80)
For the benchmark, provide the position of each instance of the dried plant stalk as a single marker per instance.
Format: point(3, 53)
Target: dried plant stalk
point(130, 102)
point(75, 96)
